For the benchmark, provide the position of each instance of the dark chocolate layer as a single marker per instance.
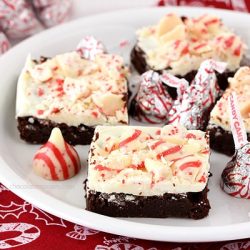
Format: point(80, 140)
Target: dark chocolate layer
point(194, 205)
point(221, 140)
point(37, 131)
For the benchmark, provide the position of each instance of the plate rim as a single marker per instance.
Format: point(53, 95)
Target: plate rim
point(141, 230)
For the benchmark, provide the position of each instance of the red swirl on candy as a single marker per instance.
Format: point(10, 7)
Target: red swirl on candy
point(56, 160)
point(196, 100)
point(236, 176)
point(152, 99)
point(89, 47)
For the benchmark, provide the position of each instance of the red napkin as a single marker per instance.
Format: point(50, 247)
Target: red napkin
point(25, 226)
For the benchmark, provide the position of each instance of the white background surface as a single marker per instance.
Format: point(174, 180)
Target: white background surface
point(83, 8)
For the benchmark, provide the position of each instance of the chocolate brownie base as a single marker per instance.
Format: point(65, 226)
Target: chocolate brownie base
point(222, 140)
point(37, 131)
point(186, 205)
point(138, 59)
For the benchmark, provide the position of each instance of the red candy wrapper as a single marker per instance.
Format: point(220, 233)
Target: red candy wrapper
point(152, 99)
point(18, 19)
point(236, 176)
point(52, 12)
point(193, 105)
point(89, 47)
point(4, 43)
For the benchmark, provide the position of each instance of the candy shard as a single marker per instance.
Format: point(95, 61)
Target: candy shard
point(89, 47)
point(56, 160)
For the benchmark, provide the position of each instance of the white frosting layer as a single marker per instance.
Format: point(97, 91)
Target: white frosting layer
point(148, 161)
point(240, 84)
point(184, 45)
point(69, 89)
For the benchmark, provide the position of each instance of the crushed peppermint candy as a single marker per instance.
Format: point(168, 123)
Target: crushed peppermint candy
point(89, 47)
point(236, 176)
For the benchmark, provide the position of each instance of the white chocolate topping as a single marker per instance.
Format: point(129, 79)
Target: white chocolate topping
point(241, 77)
point(148, 161)
point(72, 90)
point(182, 46)
point(240, 84)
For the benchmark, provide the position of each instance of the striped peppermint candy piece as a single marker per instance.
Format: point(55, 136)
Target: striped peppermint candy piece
point(56, 160)
point(235, 179)
point(89, 47)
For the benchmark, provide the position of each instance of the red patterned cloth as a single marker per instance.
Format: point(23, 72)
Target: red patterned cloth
point(239, 5)
point(24, 226)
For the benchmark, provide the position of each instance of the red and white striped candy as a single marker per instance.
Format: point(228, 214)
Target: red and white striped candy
point(56, 160)
point(4, 43)
point(236, 176)
point(236, 122)
point(89, 47)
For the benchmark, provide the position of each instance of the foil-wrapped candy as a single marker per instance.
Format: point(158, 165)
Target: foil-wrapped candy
point(235, 178)
point(18, 19)
point(152, 102)
point(89, 47)
point(194, 104)
point(22, 18)
point(52, 12)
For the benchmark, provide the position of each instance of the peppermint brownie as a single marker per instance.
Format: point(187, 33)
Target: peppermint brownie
point(134, 170)
point(221, 138)
point(72, 93)
point(180, 44)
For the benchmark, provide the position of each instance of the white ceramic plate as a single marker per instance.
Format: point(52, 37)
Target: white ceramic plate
point(229, 217)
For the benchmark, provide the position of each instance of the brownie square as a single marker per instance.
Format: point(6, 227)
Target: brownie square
point(71, 93)
point(221, 138)
point(178, 45)
point(131, 170)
